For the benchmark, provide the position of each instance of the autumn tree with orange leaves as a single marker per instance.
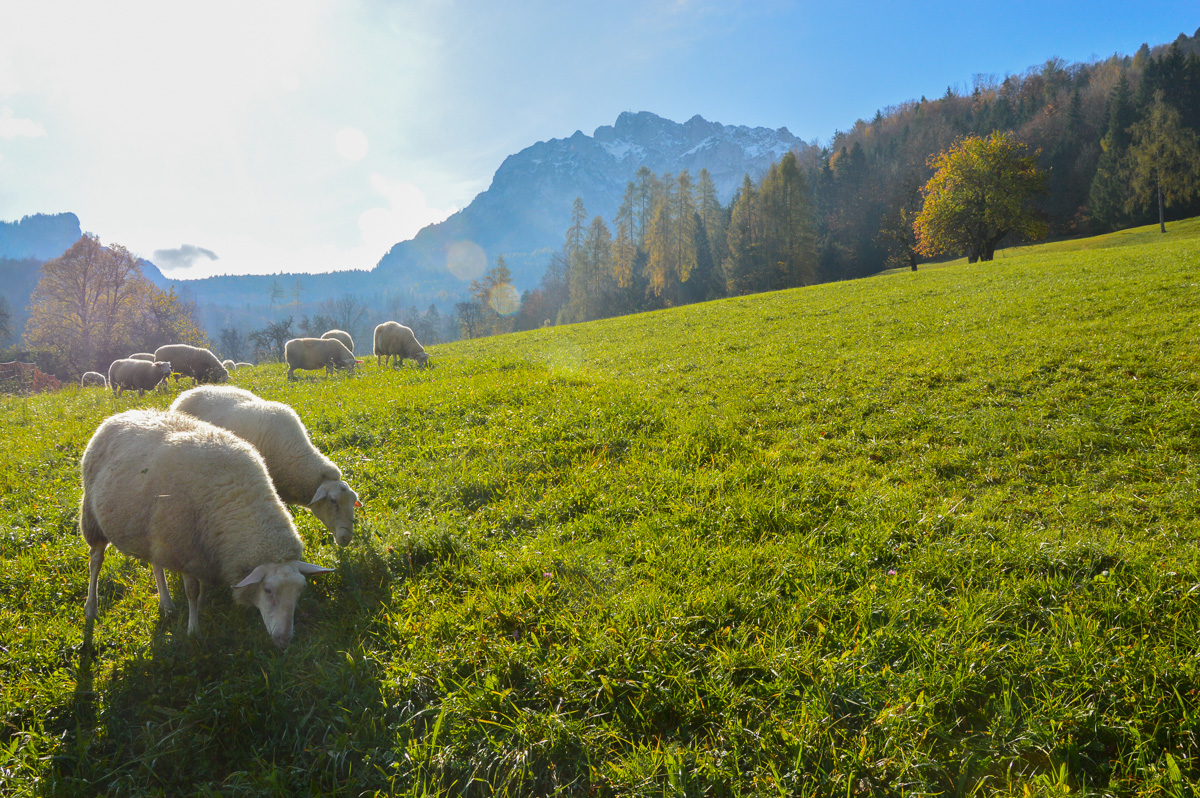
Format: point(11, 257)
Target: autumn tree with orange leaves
point(979, 194)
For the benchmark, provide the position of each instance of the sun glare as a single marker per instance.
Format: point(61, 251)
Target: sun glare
point(351, 144)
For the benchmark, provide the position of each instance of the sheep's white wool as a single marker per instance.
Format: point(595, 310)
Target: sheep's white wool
point(300, 473)
point(192, 361)
point(190, 497)
point(394, 340)
point(316, 353)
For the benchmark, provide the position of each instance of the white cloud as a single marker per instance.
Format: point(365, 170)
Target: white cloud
point(12, 127)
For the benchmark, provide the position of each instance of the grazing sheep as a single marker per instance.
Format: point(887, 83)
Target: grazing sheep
point(394, 340)
point(185, 495)
point(315, 353)
point(93, 378)
point(139, 375)
point(229, 365)
point(143, 356)
point(300, 473)
point(243, 365)
point(192, 361)
point(342, 336)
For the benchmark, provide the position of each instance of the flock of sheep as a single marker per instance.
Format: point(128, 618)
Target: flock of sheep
point(200, 488)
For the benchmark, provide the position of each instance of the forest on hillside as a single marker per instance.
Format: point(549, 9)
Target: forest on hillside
point(845, 210)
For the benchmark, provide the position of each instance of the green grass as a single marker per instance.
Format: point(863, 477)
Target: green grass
point(932, 533)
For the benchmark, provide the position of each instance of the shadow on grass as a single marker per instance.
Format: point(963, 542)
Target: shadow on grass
point(228, 713)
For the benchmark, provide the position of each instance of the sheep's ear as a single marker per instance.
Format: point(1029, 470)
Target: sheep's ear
point(357, 503)
point(255, 576)
point(308, 569)
point(322, 493)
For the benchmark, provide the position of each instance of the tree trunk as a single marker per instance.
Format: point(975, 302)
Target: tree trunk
point(1162, 225)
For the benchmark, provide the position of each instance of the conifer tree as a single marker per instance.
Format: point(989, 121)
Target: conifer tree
point(1164, 159)
point(624, 253)
point(743, 266)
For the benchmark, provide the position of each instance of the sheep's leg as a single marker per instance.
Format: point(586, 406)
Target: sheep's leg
point(95, 562)
point(165, 605)
point(93, 535)
point(195, 594)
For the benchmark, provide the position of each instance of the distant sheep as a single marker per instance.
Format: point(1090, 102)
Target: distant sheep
point(192, 361)
point(229, 365)
point(182, 494)
point(342, 336)
point(143, 356)
point(93, 378)
point(134, 374)
point(394, 340)
point(243, 365)
point(315, 353)
point(300, 473)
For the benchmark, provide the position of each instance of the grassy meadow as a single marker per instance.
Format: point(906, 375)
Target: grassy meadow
point(929, 533)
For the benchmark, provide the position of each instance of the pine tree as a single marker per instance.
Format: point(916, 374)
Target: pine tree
point(743, 264)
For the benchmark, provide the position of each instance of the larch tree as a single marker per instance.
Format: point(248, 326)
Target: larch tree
point(591, 275)
point(979, 193)
point(712, 216)
point(625, 245)
point(1164, 160)
point(788, 240)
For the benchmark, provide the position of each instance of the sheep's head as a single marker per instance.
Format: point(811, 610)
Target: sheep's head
point(334, 504)
point(274, 588)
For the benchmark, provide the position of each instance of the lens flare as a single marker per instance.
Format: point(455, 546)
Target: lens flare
point(505, 300)
point(465, 260)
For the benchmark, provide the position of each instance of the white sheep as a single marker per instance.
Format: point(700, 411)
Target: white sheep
point(394, 340)
point(316, 353)
point(133, 373)
point(229, 365)
point(143, 356)
point(242, 365)
point(192, 361)
point(185, 495)
point(340, 335)
point(300, 473)
point(93, 378)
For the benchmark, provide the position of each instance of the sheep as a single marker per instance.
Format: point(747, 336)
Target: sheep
point(136, 374)
point(229, 365)
point(393, 339)
point(243, 365)
point(143, 356)
point(192, 361)
point(185, 495)
point(315, 353)
point(300, 473)
point(342, 336)
point(93, 378)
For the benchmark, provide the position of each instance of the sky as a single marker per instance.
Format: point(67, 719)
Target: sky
point(263, 136)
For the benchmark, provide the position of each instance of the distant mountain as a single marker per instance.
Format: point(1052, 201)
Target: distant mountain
point(523, 215)
point(39, 237)
point(527, 208)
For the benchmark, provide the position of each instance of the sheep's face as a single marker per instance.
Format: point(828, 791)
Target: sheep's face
point(334, 504)
point(275, 588)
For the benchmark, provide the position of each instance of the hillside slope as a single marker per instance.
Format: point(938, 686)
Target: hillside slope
point(927, 533)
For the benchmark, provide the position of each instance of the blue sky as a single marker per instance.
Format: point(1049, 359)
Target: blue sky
point(235, 136)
